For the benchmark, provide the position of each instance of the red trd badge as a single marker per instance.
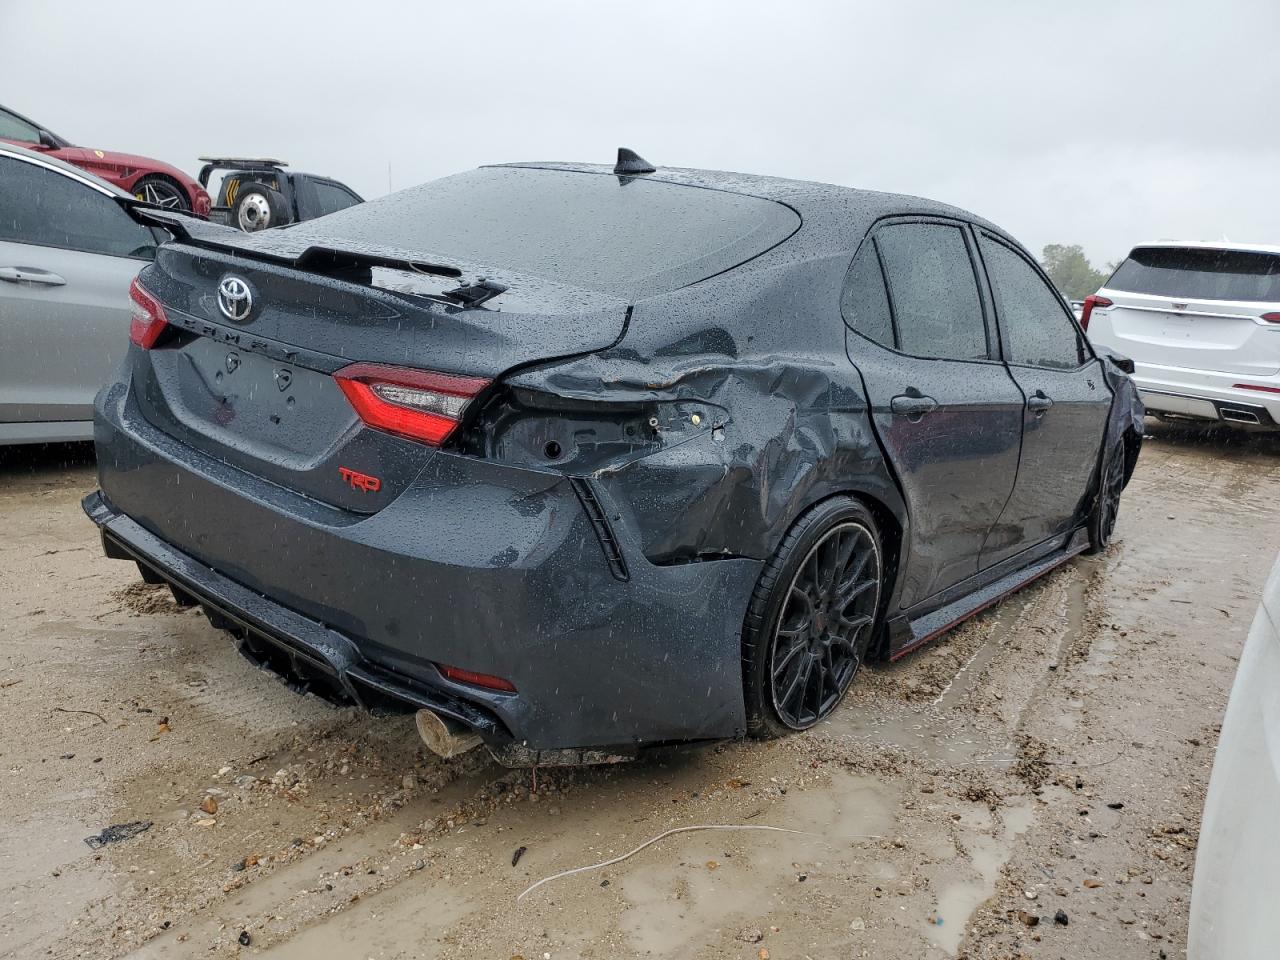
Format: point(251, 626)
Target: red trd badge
point(360, 481)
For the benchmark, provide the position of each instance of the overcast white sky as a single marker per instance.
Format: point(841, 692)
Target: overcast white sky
point(1099, 123)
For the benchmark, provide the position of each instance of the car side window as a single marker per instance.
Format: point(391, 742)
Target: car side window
point(14, 128)
point(864, 303)
point(47, 209)
point(331, 198)
point(933, 291)
point(1035, 324)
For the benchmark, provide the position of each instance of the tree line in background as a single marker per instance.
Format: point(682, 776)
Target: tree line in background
point(1071, 271)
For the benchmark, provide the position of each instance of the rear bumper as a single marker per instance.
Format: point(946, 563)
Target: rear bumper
point(312, 652)
point(1209, 395)
point(477, 565)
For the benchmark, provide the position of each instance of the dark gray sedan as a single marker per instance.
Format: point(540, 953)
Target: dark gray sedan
point(575, 459)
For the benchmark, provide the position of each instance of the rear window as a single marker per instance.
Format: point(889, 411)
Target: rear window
point(1200, 274)
point(629, 237)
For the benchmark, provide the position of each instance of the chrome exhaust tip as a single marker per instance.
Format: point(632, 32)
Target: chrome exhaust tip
point(444, 736)
point(1238, 416)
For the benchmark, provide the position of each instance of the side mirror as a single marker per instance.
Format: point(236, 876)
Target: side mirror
point(48, 140)
point(1122, 362)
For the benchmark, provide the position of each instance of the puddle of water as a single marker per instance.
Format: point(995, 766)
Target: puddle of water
point(670, 914)
point(853, 806)
point(676, 905)
point(415, 924)
point(30, 851)
point(1102, 654)
point(988, 853)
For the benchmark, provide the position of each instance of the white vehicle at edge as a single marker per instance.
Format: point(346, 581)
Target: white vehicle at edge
point(1201, 322)
point(1237, 879)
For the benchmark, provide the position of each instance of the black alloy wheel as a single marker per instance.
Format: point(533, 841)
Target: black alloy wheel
point(817, 603)
point(162, 192)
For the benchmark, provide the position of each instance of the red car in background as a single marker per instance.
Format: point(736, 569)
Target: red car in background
point(147, 179)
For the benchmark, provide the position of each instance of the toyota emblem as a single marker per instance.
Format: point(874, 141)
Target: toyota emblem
point(235, 299)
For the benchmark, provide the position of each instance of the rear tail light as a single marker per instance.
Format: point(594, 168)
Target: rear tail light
point(148, 320)
point(417, 404)
point(1091, 301)
point(1271, 317)
point(486, 680)
point(1255, 386)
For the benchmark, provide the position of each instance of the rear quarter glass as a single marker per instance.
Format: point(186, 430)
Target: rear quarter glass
point(630, 237)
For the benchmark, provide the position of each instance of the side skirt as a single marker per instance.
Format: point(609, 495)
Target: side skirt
point(906, 633)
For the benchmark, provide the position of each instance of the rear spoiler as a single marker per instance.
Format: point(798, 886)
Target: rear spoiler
point(163, 217)
point(198, 232)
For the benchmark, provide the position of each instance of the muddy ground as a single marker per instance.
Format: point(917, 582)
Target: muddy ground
point(1048, 758)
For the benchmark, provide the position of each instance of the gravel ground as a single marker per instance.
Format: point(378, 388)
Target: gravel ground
point(1047, 759)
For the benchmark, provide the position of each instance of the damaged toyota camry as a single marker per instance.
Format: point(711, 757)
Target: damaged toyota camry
point(574, 459)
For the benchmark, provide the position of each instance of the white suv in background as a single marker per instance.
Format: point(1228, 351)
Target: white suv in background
point(1201, 322)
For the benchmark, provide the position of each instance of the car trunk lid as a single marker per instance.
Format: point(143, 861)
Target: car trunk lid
point(259, 393)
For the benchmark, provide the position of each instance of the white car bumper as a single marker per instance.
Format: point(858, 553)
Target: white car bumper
point(1209, 395)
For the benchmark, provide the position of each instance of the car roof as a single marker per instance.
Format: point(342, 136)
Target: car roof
point(53, 163)
point(837, 207)
point(1212, 245)
point(834, 220)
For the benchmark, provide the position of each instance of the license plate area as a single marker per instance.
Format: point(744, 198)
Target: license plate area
point(254, 403)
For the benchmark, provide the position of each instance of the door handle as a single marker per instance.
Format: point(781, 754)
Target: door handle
point(913, 408)
point(1038, 403)
point(31, 275)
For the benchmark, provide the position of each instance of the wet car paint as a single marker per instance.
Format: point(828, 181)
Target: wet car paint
point(692, 427)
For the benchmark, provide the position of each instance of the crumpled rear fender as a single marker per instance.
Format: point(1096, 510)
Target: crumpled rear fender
point(1128, 413)
point(708, 443)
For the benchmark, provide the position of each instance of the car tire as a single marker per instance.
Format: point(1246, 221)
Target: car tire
point(1106, 505)
point(258, 207)
point(162, 192)
point(797, 636)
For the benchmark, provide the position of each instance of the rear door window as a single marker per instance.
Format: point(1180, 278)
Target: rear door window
point(1037, 330)
point(933, 291)
point(49, 209)
point(1193, 273)
point(864, 303)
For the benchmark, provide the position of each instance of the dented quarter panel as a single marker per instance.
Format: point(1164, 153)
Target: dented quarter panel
point(782, 417)
point(1128, 412)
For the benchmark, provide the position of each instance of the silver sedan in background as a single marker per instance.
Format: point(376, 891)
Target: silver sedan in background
point(68, 252)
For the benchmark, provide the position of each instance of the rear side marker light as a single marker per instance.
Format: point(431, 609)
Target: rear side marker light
point(417, 404)
point(1271, 317)
point(1091, 301)
point(148, 320)
point(1255, 386)
point(458, 675)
